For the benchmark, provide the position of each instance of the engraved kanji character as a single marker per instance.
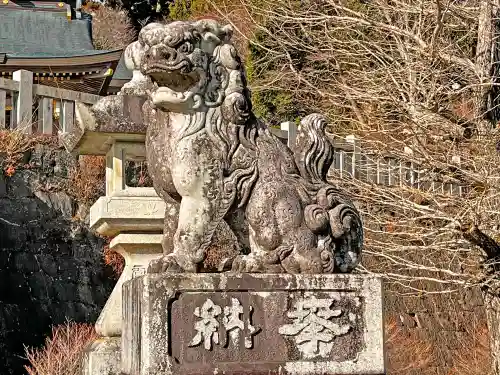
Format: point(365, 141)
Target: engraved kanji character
point(234, 325)
point(208, 326)
point(312, 325)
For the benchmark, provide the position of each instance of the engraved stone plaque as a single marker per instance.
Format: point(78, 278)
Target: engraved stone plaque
point(138, 270)
point(253, 324)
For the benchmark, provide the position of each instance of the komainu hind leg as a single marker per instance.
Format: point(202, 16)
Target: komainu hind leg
point(260, 261)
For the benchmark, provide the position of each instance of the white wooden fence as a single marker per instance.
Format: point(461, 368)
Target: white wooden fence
point(351, 161)
point(38, 108)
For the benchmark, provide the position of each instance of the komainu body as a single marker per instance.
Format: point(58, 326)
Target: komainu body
point(227, 180)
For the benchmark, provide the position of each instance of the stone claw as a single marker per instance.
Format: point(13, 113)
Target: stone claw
point(165, 264)
point(226, 264)
point(253, 264)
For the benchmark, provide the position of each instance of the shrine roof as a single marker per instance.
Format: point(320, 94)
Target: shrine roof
point(43, 37)
point(39, 34)
point(122, 72)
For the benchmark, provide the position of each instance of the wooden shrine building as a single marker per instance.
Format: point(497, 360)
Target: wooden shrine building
point(54, 41)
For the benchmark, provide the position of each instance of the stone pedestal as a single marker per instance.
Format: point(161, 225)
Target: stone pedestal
point(252, 324)
point(102, 357)
point(137, 250)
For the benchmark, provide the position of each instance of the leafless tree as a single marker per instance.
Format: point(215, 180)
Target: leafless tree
point(111, 28)
point(410, 78)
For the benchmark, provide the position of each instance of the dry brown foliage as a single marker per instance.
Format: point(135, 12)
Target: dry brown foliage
point(88, 179)
point(425, 230)
point(63, 351)
point(14, 144)
point(111, 28)
point(406, 352)
point(114, 260)
point(473, 357)
point(410, 351)
point(365, 64)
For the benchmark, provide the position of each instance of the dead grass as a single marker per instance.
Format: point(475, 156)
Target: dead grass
point(113, 260)
point(14, 145)
point(63, 351)
point(111, 28)
point(406, 351)
point(473, 357)
point(410, 352)
point(88, 179)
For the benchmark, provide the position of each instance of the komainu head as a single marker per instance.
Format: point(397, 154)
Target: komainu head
point(192, 65)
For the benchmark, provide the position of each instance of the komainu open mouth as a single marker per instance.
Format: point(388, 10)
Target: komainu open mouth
point(178, 78)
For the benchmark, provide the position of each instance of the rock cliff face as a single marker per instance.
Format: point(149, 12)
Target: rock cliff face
point(51, 266)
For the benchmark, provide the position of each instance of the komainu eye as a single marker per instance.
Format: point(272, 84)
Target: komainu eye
point(186, 48)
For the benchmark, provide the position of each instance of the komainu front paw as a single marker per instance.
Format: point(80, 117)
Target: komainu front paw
point(252, 264)
point(166, 263)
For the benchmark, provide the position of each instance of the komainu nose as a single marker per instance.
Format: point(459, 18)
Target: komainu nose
point(162, 53)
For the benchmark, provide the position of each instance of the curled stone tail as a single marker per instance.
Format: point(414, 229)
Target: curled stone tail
point(338, 226)
point(313, 152)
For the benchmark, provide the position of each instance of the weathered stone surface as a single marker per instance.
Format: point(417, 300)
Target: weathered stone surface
point(252, 324)
point(51, 267)
point(119, 114)
point(139, 84)
point(210, 155)
point(137, 250)
point(111, 115)
point(102, 357)
point(112, 215)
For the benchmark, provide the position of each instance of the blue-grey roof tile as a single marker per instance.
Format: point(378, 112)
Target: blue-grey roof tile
point(25, 33)
point(122, 71)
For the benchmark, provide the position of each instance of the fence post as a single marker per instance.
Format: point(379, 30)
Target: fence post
point(3, 106)
point(391, 176)
point(456, 160)
point(291, 129)
point(413, 173)
point(355, 155)
point(47, 113)
point(115, 168)
point(24, 105)
point(371, 169)
point(336, 156)
point(406, 169)
point(341, 162)
point(68, 115)
point(13, 111)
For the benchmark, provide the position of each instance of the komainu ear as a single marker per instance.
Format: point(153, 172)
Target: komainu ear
point(228, 32)
point(209, 42)
point(211, 26)
point(211, 38)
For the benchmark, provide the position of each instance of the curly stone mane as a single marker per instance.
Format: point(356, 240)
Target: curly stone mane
point(206, 146)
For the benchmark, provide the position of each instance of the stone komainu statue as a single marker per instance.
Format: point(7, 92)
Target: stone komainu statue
point(227, 181)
